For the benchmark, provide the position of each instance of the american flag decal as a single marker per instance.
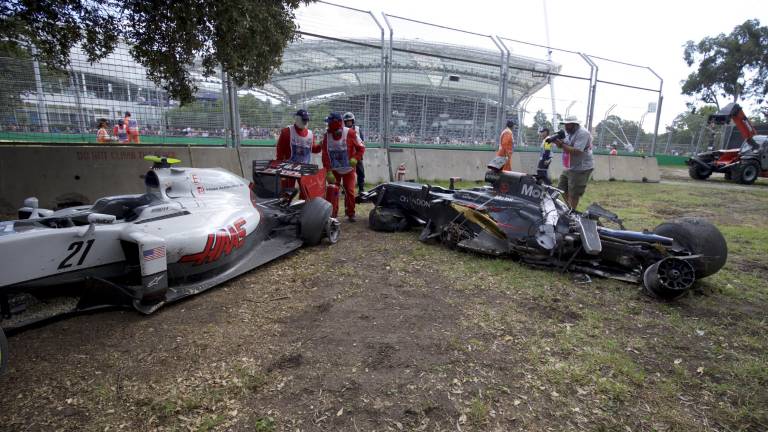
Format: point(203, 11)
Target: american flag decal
point(154, 253)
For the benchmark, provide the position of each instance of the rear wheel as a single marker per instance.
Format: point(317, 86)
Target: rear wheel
point(314, 219)
point(699, 237)
point(746, 172)
point(698, 172)
point(3, 351)
point(669, 278)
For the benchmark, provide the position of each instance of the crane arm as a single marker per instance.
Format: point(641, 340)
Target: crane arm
point(733, 112)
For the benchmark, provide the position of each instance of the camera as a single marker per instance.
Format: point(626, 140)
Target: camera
point(560, 135)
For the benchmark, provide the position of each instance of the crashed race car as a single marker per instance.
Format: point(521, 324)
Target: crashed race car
point(191, 230)
point(519, 216)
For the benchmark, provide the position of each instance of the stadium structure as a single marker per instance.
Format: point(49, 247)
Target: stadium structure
point(438, 90)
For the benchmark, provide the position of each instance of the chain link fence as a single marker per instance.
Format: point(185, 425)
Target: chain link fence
point(407, 82)
point(41, 104)
point(444, 94)
point(564, 73)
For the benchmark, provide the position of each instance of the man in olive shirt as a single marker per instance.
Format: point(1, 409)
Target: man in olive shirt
point(577, 160)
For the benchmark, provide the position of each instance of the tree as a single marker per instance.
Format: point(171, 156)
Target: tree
point(17, 78)
point(732, 66)
point(204, 115)
point(540, 121)
point(254, 112)
point(688, 126)
point(245, 37)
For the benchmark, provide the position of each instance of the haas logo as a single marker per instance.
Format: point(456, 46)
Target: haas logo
point(219, 244)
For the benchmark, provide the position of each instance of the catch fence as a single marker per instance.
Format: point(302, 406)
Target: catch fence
point(408, 82)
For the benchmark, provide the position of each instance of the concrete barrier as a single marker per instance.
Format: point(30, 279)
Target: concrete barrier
point(60, 175)
point(66, 174)
point(610, 168)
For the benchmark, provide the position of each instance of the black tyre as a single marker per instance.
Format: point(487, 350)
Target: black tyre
point(314, 219)
point(387, 219)
point(699, 237)
point(698, 172)
point(3, 351)
point(745, 172)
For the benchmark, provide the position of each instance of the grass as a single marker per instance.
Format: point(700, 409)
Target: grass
point(264, 424)
point(478, 412)
point(603, 354)
point(503, 346)
point(605, 349)
point(210, 423)
point(203, 401)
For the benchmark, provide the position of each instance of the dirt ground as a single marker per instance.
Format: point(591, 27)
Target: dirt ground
point(382, 332)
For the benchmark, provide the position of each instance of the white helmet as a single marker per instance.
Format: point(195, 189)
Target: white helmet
point(348, 116)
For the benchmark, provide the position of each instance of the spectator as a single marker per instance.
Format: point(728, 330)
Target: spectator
point(102, 136)
point(614, 152)
point(120, 131)
point(577, 160)
point(506, 143)
point(133, 128)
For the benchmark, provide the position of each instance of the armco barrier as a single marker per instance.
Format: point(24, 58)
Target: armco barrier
point(59, 175)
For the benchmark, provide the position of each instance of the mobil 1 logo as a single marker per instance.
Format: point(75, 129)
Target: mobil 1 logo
point(531, 191)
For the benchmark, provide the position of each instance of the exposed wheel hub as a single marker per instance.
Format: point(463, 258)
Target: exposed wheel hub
point(669, 278)
point(332, 230)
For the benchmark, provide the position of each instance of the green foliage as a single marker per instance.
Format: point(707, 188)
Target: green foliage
point(17, 77)
point(540, 120)
point(688, 124)
point(693, 119)
point(734, 66)
point(614, 128)
point(246, 38)
point(478, 412)
point(254, 112)
point(210, 423)
point(196, 114)
point(265, 424)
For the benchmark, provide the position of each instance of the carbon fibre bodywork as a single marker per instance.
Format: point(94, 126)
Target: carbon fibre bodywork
point(519, 217)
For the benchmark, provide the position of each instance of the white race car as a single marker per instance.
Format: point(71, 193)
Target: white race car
point(191, 230)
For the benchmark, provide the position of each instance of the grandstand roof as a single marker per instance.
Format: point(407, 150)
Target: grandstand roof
point(318, 69)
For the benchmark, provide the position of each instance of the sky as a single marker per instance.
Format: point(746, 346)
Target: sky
point(649, 33)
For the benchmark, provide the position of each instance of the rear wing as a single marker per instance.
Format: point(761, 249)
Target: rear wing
point(267, 176)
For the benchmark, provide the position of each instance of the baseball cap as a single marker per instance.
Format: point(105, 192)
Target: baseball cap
point(303, 114)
